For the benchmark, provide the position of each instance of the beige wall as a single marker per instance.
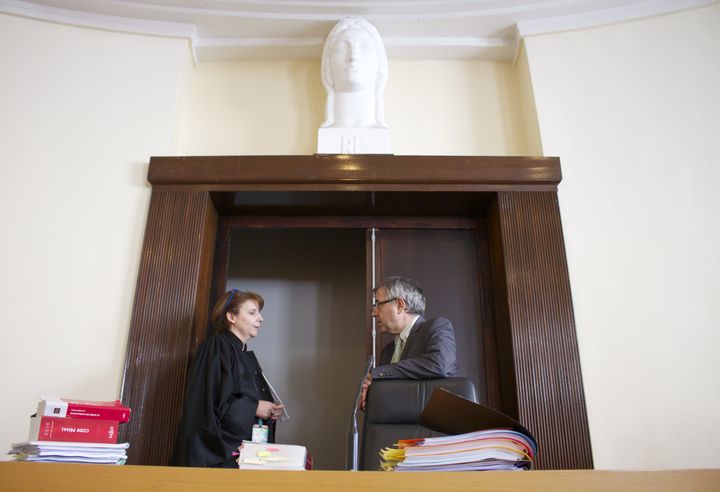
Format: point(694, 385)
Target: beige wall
point(276, 107)
point(244, 108)
point(454, 108)
point(630, 109)
point(80, 112)
point(633, 111)
point(533, 145)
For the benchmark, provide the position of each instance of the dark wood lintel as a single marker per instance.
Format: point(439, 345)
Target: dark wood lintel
point(359, 172)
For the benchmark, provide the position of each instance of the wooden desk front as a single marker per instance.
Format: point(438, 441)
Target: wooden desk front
point(28, 477)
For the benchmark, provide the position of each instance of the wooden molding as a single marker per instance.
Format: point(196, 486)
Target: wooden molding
point(169, 314)
point(540, 326)
point(355, 172)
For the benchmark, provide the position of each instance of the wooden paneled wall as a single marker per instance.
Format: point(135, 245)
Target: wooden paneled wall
point(540, 327)
point(170, 312)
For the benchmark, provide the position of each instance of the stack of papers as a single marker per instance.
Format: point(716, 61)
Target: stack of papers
point(263, 456)
point(490, 449)
point(479, 438)
point(70, 452)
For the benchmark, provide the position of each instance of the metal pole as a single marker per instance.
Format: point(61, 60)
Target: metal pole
point(352, 459)
point(374, 331)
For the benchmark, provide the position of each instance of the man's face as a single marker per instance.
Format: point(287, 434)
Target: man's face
point(387, 313)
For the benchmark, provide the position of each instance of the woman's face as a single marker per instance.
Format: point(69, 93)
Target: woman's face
point(246, 323)
point(354, 61)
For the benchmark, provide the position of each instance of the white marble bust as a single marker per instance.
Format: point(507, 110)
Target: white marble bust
point(354, 71)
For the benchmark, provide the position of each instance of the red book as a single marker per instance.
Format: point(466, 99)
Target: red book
point(69, 429)
point(80, 409)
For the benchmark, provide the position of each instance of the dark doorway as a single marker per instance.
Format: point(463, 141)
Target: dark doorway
point(312, 343)
point(445, 263)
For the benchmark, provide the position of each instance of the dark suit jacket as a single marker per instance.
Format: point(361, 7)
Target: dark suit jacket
point(429, 352)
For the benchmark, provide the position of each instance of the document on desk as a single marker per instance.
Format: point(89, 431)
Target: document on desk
point(277, 399)
point(264, 456)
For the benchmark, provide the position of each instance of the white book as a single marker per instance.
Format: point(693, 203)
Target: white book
point(264, 456)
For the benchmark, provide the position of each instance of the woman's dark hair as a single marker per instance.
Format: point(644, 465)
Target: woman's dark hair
point(230, 302)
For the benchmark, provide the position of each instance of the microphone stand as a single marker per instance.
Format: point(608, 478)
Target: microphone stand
point(353, 445)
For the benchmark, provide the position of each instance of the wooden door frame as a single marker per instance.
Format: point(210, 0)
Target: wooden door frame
point(538, 358)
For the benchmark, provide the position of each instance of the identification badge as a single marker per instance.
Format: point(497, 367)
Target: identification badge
point(260, 433)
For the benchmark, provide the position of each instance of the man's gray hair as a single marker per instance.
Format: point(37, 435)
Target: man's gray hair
point(406, 289)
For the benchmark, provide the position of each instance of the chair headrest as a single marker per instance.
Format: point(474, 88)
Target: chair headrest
point(401, 401)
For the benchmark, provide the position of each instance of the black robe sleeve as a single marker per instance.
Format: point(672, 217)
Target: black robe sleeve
point(220, 404)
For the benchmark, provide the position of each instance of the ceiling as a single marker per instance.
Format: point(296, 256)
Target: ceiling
point(293, 29)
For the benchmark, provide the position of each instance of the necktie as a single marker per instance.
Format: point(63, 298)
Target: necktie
point(399, 344)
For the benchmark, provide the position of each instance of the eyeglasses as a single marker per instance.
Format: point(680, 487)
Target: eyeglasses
point(378, 304)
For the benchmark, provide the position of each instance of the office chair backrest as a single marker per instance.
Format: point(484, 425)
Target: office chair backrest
point(393, 412)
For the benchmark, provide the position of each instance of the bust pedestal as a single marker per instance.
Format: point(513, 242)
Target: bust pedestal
point(354, 141)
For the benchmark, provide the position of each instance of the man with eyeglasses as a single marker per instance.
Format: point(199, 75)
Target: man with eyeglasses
point(422, 349)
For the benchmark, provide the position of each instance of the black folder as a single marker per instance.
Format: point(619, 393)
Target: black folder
point(452, 414)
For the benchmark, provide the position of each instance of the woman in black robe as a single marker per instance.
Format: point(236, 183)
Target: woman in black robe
point(226, 392)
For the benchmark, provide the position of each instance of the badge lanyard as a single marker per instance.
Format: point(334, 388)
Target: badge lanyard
point(260, 432)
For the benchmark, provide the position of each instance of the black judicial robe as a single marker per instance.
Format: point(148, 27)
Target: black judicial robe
point(223, 388)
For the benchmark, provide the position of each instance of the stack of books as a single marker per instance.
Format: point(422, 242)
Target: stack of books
point(76, 431)
point(479, 438)
point(490, 449)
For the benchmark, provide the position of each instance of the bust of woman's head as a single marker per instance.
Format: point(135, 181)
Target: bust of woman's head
point(354, 64)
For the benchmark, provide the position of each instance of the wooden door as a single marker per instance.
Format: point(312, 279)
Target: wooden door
point(445, 263)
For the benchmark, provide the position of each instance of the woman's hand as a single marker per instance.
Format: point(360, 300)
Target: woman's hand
point(268, 410)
